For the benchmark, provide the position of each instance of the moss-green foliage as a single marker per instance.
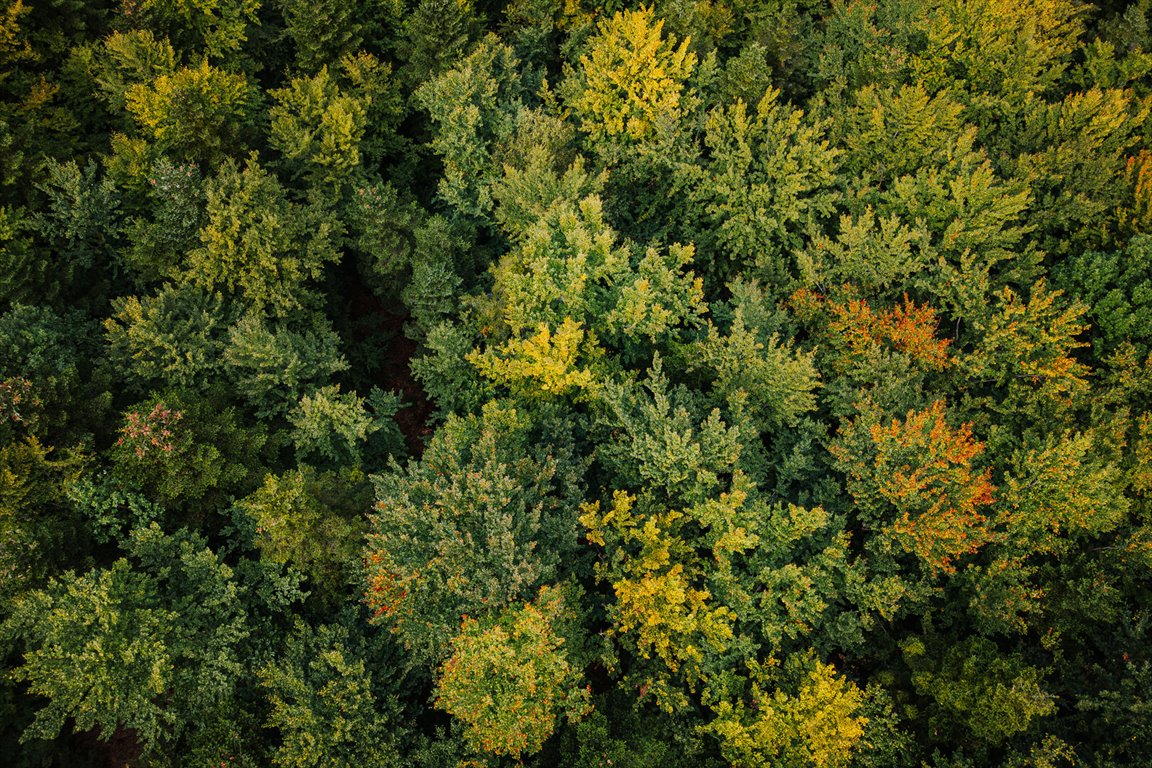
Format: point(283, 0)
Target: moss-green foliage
point(631, 79)
point(195, 112)
point(145, 644)
point(474, 526)
point(257, 244)
point(325, 705)
point(448, 384)
point(317, 126)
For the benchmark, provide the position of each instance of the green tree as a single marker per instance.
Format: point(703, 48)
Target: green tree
point(333, 427)
point(631, 80)
point(39, 530)
point(195, 113)
point(479, 523)
point(173, 340)
point(473, 107)
point(1115, 290)
point(125, 59)
point(802, 713)
point(147, 644)
point(325, 705)
point(768, 182)
point(184, 450)
point(570, 267)
point(991, 695)
point(57, 353)
point(258, 245)
point(318, 126)
point(313, 521)
point(218, 27)
point(272, 364)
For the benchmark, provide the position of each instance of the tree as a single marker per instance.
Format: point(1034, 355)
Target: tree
point(258, 245)
point(39, 530)
point(631, 79)
point(1026, 347)
point(751, 370)
point(570, 268)
point(196, 113)
point(313, 521)
point(173, 340)
point(81, 227)
point(57, 353)
point(272, 364)
point(991, 694)
point(325, 704)
point(318, 127)
point(1115, 291)
point(326, 31)
point(333, 427)
point(510, 678)
point(479, 523)
point(161, 240)
point(184, 450)
point(801, 713)
point(473, 106)
point(915, 485)
point(124, 59)
point(767, 182)
point(147, 644)
point(218, 27)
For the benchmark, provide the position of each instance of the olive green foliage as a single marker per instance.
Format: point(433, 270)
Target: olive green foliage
point(195, 112)
point(319, 127)
point(257, 244)
point(325, 705)
point(631, 79)
point(471, 528)
point(143, 644)
point(818, 724)
point(310, 520)
point(687, 383)
point(181, 449)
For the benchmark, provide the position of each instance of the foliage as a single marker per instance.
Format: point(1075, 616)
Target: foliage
point(631, 78)
point(915, 484)
point(257, 244)
point(324, 704)
point(818, 724)
point(318, 126)
point(172, 339)
point(510, 679)
point(596, 383)
point(472, 106)
point(769, 179)
point(218, 27)
point(479, 523)
point(308, 519)
point(992, 695)
point(195, 112)
point(273, 364)
point(143, 644)
point(182, 450)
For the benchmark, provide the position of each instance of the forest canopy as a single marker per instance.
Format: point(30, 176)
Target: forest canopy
point(462, 383)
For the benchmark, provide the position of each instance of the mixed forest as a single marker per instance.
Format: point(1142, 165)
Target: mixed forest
point(464, 383)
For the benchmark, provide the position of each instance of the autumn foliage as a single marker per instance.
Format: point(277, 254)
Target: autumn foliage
point(916, 481)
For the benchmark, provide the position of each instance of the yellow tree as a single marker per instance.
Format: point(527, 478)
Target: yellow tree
point(631, 78)
point(510, 679)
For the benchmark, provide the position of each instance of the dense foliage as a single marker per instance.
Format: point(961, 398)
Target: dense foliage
point(431, 383)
